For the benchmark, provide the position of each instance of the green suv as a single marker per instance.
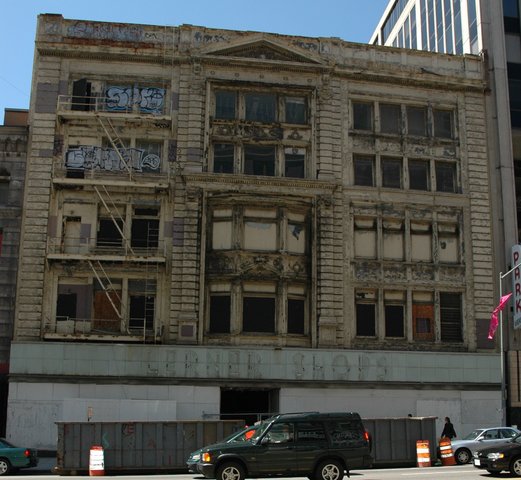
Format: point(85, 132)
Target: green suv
point(320, 446)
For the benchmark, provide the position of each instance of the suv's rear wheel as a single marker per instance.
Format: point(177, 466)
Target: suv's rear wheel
point(230, 471)
point(330, 470)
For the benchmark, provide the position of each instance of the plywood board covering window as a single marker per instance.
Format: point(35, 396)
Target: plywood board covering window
point(393, 245)
point(260, 236)
point(365, 237)
point(421, 242)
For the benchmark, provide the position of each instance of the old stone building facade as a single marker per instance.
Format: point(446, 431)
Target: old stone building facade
point(221, 222)
point(13, 155)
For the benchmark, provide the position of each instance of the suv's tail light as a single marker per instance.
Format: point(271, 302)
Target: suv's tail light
point(367, 437)
point(27, 453)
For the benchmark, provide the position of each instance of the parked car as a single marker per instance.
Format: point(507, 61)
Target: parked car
point(13, 458)
point(504, 456)
point(240, 436)
point(320, 446)
point(480, 438)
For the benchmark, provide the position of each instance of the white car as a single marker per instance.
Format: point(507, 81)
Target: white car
point(480, 438)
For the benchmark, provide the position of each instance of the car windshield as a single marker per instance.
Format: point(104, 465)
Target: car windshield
point(261, 428)
point(473, 435)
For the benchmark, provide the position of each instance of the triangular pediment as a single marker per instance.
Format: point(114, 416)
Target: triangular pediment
point(263, 49)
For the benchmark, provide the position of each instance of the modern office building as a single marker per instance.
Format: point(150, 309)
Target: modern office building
point(13, 154)
point(237, 223)
point(490, 29)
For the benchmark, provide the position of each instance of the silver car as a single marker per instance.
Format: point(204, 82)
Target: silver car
point(480, 438)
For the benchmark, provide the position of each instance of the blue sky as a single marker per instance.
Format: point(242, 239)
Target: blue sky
point(351, 20)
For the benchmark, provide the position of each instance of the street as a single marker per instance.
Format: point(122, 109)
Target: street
point(460, 472)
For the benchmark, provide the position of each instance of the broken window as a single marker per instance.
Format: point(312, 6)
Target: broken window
point(145, 228)
point(391, 172)
point(294, 162)
point(417, 121)
point(451, 320)
point(296, 238)
point(443, 123)
point(365, 237)
point(82, 95)
point(421, 242)
point(419, 175)
point(109, 233)
point(446, 177)
point(142, 302)
point(225, 104)
point(296, 110)
point(223, 157)
point(393, 244)
point(394, 314)
point(390, 118)
point(364, 170)
point(365, 314)
point(423, 316)
point(259, 160)
point(220, 306)
point(296, 310)
point(362, 116)
point(258, 314)
point(261, 107)
point(66, 306)
point(448, 239)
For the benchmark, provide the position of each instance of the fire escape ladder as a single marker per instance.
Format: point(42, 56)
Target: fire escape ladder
point(107, 287)
point(126, 241)
point(117, 144)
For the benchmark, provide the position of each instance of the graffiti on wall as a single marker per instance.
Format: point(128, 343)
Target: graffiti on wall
point(87, 157)
point(125, 98)
point(106, 31)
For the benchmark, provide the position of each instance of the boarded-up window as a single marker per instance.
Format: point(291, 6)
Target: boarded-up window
point(393, 247)
point(365, 237)
point(260, 236)
point(421, 242)
point(107, 308)
point(451, 319)
point(423, 316)
point(448, 243)
point(222, 235)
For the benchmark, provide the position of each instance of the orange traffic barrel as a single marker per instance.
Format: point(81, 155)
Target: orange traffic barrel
point(423, 453)
point(446, 454)
point(96, 461)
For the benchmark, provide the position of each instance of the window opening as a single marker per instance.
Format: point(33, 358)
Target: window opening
point(81, 95)
point(296, 108)
point(443, 124)
point(259, 160)
point(261, 107)
point(417, 121)
point(225, 105)
point(108, 233)
point(220, 306)
point(362, 116)
point(445, 177)
point(294, 160)
point(223, 157)
point(419, 175)
point(451, 317)
point(296, 315)
point(145, 228)
point(390, 118)
point(258, 314)
point(364, 170)
point(391, 172)
point(66, 306)
point(365, 315)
